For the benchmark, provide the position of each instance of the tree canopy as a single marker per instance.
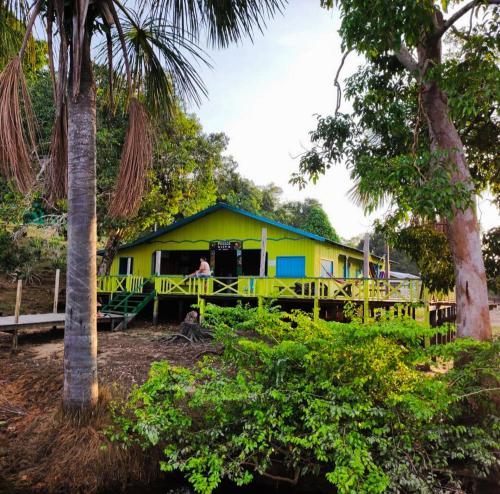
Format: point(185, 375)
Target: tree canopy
point(266, 200)
point(422, 136)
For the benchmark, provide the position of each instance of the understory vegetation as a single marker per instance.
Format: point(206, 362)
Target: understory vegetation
point(28, 253)
point(362, 408)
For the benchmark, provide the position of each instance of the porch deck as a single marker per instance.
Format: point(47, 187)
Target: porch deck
point(367, 291)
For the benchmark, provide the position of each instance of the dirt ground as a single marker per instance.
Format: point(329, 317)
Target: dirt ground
point(37, 298)
point(31, 380)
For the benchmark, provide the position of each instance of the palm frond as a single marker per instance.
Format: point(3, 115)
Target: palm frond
point(17, 127)
point(162, 62)
point(366, 199)
point(136, 159)
point(224, 21)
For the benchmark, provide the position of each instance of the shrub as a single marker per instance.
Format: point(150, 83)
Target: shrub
point(23, 257)
point(291, 398)
point(18, 258)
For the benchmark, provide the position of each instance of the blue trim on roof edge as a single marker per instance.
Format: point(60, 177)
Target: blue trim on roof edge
point(223, 205)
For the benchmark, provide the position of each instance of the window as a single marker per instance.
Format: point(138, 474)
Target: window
point(125, 266)
point(326, 270)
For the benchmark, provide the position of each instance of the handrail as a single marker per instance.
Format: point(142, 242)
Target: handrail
point(307, 288)
point(120, 283)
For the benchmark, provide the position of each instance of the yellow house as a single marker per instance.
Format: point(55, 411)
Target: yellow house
point(239, 243)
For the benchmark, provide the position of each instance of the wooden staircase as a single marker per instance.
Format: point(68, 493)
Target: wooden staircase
point(127, 304)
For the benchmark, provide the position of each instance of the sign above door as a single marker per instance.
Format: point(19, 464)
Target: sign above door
point(226, 245)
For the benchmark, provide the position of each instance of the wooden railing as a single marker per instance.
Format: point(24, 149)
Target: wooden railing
point(442, 297)
point(112, 284)
point(352, 289)
point(393, 296)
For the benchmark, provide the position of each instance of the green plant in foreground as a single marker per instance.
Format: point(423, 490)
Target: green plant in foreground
point(290, 398)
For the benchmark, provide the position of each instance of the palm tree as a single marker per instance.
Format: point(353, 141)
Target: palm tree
point(153, 45)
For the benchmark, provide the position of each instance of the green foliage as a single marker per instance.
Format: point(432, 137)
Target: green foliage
point(430, 250)
point(470, 78)
point(410, 183)
point(491, 252)
point(363, 22)
point(291, 398)
point(384, 140)
point(13, 205)
point(18, 259)
point(24, 257)
point(308, 215)
point(378, 241)
point(317, 222)
point(182, 180)
point(242, 193)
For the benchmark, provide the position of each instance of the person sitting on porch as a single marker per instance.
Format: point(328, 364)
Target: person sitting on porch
point(204, 270)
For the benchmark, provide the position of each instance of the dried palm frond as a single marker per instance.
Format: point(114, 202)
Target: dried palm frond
point(17, 134)
point(136, 159)
point(57, 169)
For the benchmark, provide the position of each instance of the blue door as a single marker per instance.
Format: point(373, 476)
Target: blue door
point(290, 266)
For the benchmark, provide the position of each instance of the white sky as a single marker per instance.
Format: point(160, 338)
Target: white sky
point(264, 97)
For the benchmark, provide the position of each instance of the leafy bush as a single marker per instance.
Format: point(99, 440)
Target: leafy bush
point(290, 398)
point(25, 257)
point(17, 258)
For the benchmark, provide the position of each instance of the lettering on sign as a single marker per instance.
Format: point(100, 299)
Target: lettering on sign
point(226, 245)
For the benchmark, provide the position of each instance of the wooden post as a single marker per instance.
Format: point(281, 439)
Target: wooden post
point(157, 262)
point(366, 256)
point(155, 310)
point(17, 311)
point(366, 300)
point(316, 300)
point(427, 314)
point(56, 291)
point(387, 262)
point(202, 304)
point(387, 271)
point(263, 251)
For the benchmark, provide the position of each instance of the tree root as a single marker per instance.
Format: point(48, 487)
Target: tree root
point(191, 332)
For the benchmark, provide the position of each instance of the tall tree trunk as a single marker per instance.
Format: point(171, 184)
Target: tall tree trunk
point(110, 251)
point(80, 335)
point(473, 319)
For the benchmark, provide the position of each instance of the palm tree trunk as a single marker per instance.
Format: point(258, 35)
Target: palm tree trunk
point(80, 335)
point(110, 250)
point(473, 319)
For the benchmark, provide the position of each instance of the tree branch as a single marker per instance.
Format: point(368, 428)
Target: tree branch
point(461, 12)
point(336, 81)
point(406, 59)
point(487, 390)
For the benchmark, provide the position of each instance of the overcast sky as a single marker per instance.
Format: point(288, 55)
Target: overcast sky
point(264, 95)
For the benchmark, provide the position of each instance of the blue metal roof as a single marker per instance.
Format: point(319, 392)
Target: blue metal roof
point(221, 205)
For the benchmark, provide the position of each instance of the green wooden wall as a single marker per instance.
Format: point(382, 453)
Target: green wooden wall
point(228, 225)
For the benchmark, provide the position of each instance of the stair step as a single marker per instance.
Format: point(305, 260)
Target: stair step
point(128, 304)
